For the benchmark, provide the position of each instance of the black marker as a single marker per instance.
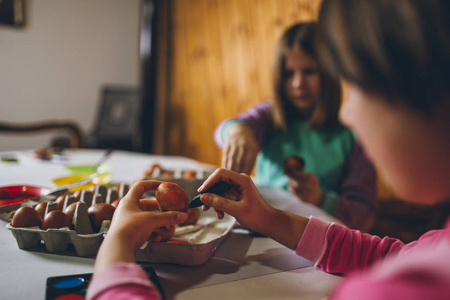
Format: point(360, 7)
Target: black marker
point(219, 188)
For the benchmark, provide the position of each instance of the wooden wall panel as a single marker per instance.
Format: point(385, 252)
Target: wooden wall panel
point(220, 61)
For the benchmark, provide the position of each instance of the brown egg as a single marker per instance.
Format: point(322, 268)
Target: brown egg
point(149, 171)
point(189, 174)
point(193, 216)
point(41, 207)
point(168, 174)
point(116, 203)
point(42, 153)
point(26, 217)
point(56, 219)
point(100, 212)
point(60, 201)
point(171, 196)
point(70, 210)
point(77, 194)
point(294, 163)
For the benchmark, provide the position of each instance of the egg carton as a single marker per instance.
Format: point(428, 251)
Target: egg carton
point(189, 179)
point(191, 245)
point(83, 237)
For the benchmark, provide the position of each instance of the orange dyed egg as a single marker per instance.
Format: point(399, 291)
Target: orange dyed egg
point(171, 196)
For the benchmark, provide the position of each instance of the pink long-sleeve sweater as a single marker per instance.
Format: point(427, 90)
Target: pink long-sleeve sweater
point(375, 268)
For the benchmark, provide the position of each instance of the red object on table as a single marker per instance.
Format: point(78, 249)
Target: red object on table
point(19, 193)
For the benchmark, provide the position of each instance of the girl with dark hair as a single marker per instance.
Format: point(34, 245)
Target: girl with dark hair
point(302, 121)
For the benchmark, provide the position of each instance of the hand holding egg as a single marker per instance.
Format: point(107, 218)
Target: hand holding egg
point(132, 225)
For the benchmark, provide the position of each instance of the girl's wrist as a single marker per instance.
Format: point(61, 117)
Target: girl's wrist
point(285, 227)
point(227, 128)
point(240, 128)
point(113, 250)
point(269, 220)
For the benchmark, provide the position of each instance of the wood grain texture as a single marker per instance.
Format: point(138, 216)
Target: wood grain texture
point(219, 64)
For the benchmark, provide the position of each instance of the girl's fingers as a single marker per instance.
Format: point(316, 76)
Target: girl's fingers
point(298, 176)
point(236, 160)
point(226, 156)
point(220, 204)
point(250, 162)
point(140, 187)
point(154, 237)
point(160, 219)
point(221, 174)
point(219, 214)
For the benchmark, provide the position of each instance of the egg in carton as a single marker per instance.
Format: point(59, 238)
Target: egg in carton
point(83, 234)
point(189, 179)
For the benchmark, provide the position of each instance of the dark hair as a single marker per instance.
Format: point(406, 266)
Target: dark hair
point(399, 49)
point(325, 114)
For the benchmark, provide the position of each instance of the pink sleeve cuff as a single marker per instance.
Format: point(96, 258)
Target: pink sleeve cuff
point(313, 242)
point(116, 275)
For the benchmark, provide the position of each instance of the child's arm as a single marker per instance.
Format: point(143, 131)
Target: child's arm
point(241, 138)
point(240, 149)
point(357, 201)
point(259, 118)
point(334, 248)
point(338, 249)
point(122, 281)
point(130, 228)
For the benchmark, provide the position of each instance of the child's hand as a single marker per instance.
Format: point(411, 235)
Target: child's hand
point(134, 222)
point(249, 208)
point(240, 149)
point(305, 186)
point(132, 226)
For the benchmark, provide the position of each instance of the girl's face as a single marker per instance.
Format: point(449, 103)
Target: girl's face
point(301, 79)
point(410, 150)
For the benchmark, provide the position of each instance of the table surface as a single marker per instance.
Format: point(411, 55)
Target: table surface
point(244, 266)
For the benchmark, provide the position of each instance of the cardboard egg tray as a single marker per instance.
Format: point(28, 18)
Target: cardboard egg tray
point(192, 245)
point(83, 237)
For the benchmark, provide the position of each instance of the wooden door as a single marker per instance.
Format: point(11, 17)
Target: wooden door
point(215, 60)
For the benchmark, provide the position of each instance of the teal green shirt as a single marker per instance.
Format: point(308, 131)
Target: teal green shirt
point(326, 154)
